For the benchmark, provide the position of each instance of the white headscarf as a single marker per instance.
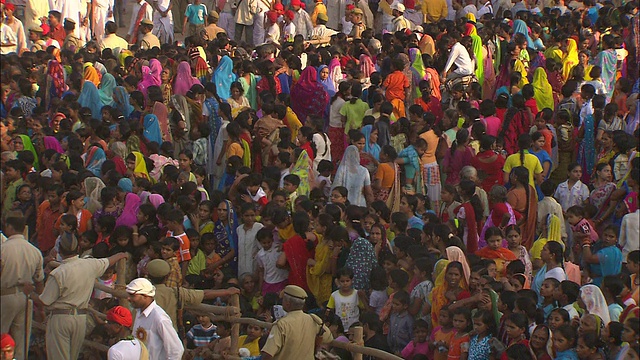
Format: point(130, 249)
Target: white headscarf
point(141, 286)
point(595, 302)
point(352, 176)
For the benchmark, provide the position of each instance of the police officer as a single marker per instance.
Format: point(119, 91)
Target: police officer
point(71, 41)
point(294, 336)
point(173, 300)
point(148, 40)
point(21, 263)
point(66, 297)
point(358, 24)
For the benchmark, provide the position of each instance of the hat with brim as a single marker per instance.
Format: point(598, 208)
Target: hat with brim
point(295, 291)
point(323, 17)
point(146, 22)
point(141, 286)
point(158, 268)
point(36, 29)
point(398, 7)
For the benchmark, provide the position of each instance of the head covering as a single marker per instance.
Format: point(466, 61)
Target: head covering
point(140, 169)
point(56, 71)
point(351, 175)
point(335, 72)
point(289, 14)
point(126, 185)
point(543, 93)
point(162, 113)
point(158, 268)
point(303, 169)
point(7, 341)
point(156, 200)
point(308, 97)
point(323, 17)
point(327, 83)
point(90, 97)
point(595, 302)
point(152, 129)
point(107, 87)
point(295, 291)
point(398, 6)
point(122, 101)
point(570, 59)
point(454, 253)
point(476, 43)
point(366, 66)
point(184, 80)
point(95, 158)
point(130, 211)
point(519, 26)
point(471, 17)
point(150, 76)
point(223, 76)
point(93, 188)
point(120, 315)
point(272, 16)
point(141, 286)
point(28, 145)
point(91, 74)
point(369, 148)
point(296, 3)
point(50, 142)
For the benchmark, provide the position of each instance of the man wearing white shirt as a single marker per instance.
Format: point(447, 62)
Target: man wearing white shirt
point(152, 325)
point(34, 11)
point(8, 39)
point(103, 12)
point(111, 40)
point(163, 21)
point(629, 229)
point(118, 325)
point(460, 57)
point(141, 11)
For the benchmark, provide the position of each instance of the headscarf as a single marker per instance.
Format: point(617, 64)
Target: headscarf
point(95, 158)
point(122, 101)
point(595, 302)
point(543, 93)
point(223, 77)
point(369, 148)
point(124, 54)
point(476, 43)
point(417, 68)
point(308, 97)
point(91, 74)
point(549, 345)
point(519, 26)
point(90, 97)
point(50, 142)
point(494, 306)
point(202, 69)
point(156, 200)
point(152, 129)
point(150, 76)
point(366, 66)
point(162, 113)
point(129, 213)
point(570, 59)
point(227, 236)
point(327, 83)
point(141, 166)
point(107, 86)
point(56, 71)
point(126, 185)
point(335, 72)
point(28, 145)
point(351, 174)
point(438, 298)
point(454, 253)
point(303, 169)
point(181, 105)
point(184, 80)
point(93, 189)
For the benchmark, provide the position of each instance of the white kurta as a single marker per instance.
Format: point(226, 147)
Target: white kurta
point(101, 16)
point(148, 14)
point(163, 26)
point(154, 327)
point(18, 29)
point(33, 11)
point(335, 12)
point(258, 22)
point(85, 30)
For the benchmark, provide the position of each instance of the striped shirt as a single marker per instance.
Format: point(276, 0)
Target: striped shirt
point(198, 336)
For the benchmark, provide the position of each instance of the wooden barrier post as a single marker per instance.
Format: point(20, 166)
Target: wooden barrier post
point(235, 325)
point(121, 271)
point(358, 339)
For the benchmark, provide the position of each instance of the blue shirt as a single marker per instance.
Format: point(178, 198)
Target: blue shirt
point(195, 13)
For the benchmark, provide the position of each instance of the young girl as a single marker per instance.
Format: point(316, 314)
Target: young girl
point(419, 306)
point(121, 241)
point(205, 209)
point(379, 284)
point(386, 175)
point(442, 335)
point(612, 337)
point(484, 327)
point(588, 347)
point(68, 226)
point(564, 342)
point(147, 228)
point(75, 203)
point(470, 212)
point(517, 327)
point(449, 203)
point(238, 101)
point(419, 345)
point(318, 268)
point(109, 201)
point(247, 245)
point(459, 345)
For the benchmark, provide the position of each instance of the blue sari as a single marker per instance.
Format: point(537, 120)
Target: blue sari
point(608, 62)
point(95, 158)
point(369, 148)
point(587, 148)
point(152, 129)
point(215, 123)
point(90, 98)
point(520, 27)
point(610, 258)
point(227, 236)
point(223, 77)
point(122, 101)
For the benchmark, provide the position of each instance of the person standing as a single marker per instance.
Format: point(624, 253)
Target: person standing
point(244, 21)
point(35, 11)
point(301, 20)
point(259, 21)
point(21, 263)
point(111, 40)
point(143, 11)
point(71, 41)
point(102, 14)
point(294, 335)
point(16, 26)
point(147, 39)
point(195, 16)
point(180, 7)
point(66, 296)
point(118, 325)
point(56, 31)
point(152, 325)
point(163, 20)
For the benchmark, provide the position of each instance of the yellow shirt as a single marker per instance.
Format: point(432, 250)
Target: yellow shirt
point(435, 10)
point(320, 8)
point(253, 346)
point(531, 162)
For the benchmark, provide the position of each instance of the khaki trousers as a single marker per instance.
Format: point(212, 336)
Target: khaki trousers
point(65, 334)
point(12, 320)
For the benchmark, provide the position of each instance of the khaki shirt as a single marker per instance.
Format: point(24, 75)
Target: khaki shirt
point(72, 43)
point(70, 285)
point(166, 298)
point(21, 262)
point(38, 45)
point(149, 41)
point(357, 30)
point(213, 30)
point(294, 336)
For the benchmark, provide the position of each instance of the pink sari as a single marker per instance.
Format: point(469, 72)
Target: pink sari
point(160, 111)
point(131, 207)
point(150, 76)
point(184, 80)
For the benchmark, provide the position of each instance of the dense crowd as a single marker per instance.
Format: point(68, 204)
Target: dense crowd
point(458, 178)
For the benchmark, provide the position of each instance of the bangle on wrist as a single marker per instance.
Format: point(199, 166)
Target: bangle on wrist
point(135, 233)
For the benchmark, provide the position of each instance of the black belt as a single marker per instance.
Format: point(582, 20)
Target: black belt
point(68, 312)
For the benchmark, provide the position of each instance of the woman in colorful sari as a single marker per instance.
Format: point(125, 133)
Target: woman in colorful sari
point(308, 97)
point(362, 259)
point(553, 258)
point(117, 153)
point(594, 303)
point(184, 80)
point(137, 165)
point(607, 60)
point(603, 257)
point(122, 101)
point(417, 70)
point(303, 169)
point(570, 58)
point(494, 251)
point(354, 177)
point(92, 189)
point(476, 43)
point(523, 198)
point(543, 93)
point(450, 285)
point(432, 76)
point(150, 76)
point(600, 196)
point(325, 80)
point(225, 232)
point(371, 146)
point(90, 98)
point(91, 74)
point(223, 76)
point(517, 121)
point(95, 158)
point(551, 231)
point(128, 217)
point(587, 137)
point(50, 142)
point(335, 72)
point(152, 129)
point(249, 82)
point(107, 86)
point(26, 145)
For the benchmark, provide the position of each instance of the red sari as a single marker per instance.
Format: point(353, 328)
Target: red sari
point(467, 214)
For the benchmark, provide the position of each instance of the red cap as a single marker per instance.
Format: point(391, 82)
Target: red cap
point(289, 14)
point(272, 16)
point(350, 7)
point(5, 339)
point(303, 6)
point(278, 7)
point(120, 315)
point(45, 29)
point(10, 6)
point(296, 3)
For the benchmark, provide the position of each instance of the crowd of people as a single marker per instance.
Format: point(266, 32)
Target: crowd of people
point(460, 179)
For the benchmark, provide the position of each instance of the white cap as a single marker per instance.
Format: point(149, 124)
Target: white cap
point(141, 286)
point(397, 6)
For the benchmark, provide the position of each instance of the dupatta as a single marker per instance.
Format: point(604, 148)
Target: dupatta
point(56, 71)
point(140, 169)
point(93, 189)
point(369, 148)
point(28, 145)
point(95, 158)
point(223, 76)
point(122, 101)
point(308, 97)
point(303, 169)
point(184, 80)
point(91, 74)
point(595, 302)
point(570, 59)
point(328, 84)
point(152, 129)
point(50, 142)
point(335, 72)
point(90, 97)
point(227, 236)
point(160, 111)
point(129, 213)
point(107, 86)
point(543, 93)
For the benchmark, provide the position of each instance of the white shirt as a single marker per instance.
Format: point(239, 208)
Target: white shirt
point(7, 36)
point(573, 313)
point(556, 273)
point(154, 327)
point(266, 259)
point(570, 197)
point(125, 350)
point(113, 41)
point(630, 233)
point(346, 307)
point(247, 247)
point(460, 57)
point(273, 34)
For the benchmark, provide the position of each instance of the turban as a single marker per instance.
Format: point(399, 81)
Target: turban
point(120, 315)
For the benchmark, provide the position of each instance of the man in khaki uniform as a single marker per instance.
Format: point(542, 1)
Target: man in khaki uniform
point(213, 29)
point(167, 297)
point(21, 263)
point(148, 40)
point(71, 42)
point(35, 39)
point(358, 24)
point(294, 336)
point(66, 297)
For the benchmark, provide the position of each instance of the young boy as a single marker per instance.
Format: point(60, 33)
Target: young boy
point(283, 162)
point(105, 226)
point(195, 14)
point(291, 183)
point(223, 343)
point(323, 181)
point(289, 30)
point(255, 191)
point(198, 262)
point(202, 333)
point(410, 158)
point(400, 322)
point(372, 329)
point(566, 295)
point(13, 173)
point(271, 279)
point(344, 301)
point(547, 293)
point(175, 228)
point(633, 265)
point(247, 245)
point(170, 246)
point(580, 226)
point(596, 82)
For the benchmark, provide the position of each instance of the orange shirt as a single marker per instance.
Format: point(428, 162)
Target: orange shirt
point(432, 139)
point(386, 174)
point(183, 254)
point(440, 335)
point(457, 346)
point(394, 84)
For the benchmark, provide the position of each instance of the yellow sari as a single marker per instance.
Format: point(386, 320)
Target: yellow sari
point(318, 280)
point(543, 93)
point(141, 166)
point(570, 59)
point(518, 66)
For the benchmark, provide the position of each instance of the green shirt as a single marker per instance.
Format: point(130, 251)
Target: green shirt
point(197, 263)
point(10, 195)
point(354, 114)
